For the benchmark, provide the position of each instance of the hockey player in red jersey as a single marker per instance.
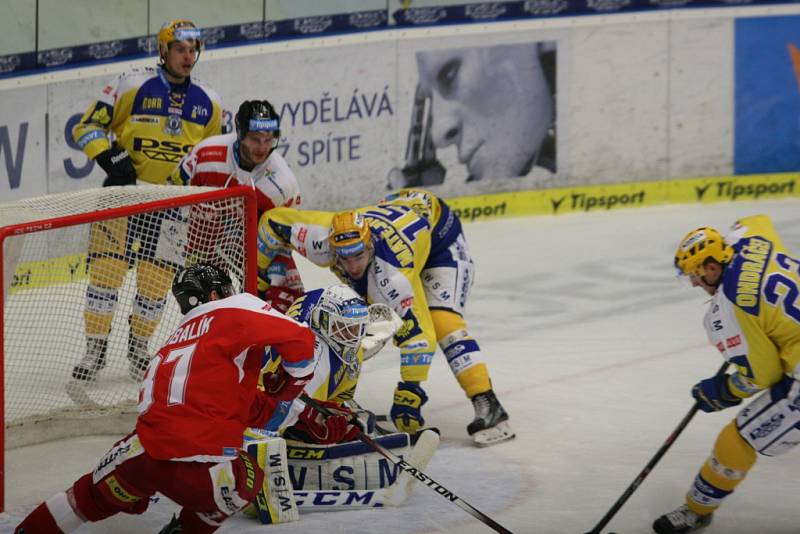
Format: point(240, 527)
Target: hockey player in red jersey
point(248, 157)
point(198, 395)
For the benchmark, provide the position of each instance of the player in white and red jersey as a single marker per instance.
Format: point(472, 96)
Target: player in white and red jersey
point(198, 396)
point(248, 157)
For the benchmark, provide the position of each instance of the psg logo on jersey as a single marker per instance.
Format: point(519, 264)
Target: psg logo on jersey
point(173, 125)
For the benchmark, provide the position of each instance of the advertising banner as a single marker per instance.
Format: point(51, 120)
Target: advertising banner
point(23, 145)
point(767, 56)
point(501, 111)
point(477, 114)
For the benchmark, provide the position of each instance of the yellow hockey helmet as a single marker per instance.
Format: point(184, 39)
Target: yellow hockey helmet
point(699, 245)
point(349, 234)
point(178, 30)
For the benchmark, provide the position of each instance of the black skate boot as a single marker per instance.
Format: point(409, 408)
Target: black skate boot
point(92, 361)
point(138, 356)
point(490, 425)
point(680, 521)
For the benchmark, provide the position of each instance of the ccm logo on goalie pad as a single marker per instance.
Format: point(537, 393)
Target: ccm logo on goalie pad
point(337, 499)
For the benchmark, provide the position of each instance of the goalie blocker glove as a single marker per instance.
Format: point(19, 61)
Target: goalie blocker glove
point(406, 410)
point(713, 394)
point(313, 427)
point(117, 164)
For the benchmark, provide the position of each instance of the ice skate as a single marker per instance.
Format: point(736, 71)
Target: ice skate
point(173, 527)
point(92, 361)
point(680, 521)
point(138, 357)
point(490, 425)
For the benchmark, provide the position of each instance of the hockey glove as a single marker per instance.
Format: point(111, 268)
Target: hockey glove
point(283, 386)
point(383, 325)
point(118, 166)
point(713, 394)
point(338, 427)
point(281, 298)
point(407, 407)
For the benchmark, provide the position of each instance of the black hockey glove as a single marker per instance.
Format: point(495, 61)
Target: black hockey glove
point(118, 166)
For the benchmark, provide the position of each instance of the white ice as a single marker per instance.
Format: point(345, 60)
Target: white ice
point(592, 344)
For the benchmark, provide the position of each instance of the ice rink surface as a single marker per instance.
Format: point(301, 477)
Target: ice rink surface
point(593, 344)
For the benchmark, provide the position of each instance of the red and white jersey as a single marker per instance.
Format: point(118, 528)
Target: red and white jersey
point(200, 390)
point(215, 162)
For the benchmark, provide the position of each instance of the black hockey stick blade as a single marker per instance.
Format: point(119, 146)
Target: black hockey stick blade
point(418, 474)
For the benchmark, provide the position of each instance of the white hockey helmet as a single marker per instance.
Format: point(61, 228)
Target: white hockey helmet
point(341, 317)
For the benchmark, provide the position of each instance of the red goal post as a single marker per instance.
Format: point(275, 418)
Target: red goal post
point(75, 264)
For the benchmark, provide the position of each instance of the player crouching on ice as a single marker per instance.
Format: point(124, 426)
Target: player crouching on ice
point(327, 466)
point(409, 253)
point(198, 396)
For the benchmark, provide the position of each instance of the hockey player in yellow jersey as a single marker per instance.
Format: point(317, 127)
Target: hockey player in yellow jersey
point(146, 120)
point(754, 322)
point(139, 128)
point(409, 253)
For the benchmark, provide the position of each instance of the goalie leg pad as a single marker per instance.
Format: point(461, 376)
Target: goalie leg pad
point(275, 501)
point(345, 466)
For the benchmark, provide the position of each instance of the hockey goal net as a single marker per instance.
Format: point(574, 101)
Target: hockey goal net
point(85, 296)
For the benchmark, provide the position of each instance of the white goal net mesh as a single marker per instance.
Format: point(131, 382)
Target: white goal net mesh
point(86, 303)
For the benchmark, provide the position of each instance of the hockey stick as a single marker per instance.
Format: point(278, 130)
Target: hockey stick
point(418, 474)
point(651, 464)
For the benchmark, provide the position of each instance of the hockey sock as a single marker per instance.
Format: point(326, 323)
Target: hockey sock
point(153, 282)
point(462, 352)
point(725, 469)
point(54, 516)
point(105, 277)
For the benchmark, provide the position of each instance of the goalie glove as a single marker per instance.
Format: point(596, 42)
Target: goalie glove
point(337, 427)
point(406, 410)
point(383, 324)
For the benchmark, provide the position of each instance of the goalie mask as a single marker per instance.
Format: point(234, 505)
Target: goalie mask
point(341, 317)
point(193, 286)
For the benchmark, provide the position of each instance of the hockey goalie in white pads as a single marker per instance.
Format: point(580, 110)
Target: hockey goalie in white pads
point(327, 468)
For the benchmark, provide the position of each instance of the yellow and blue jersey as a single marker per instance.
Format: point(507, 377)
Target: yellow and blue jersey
point(445, 224)
point(402, 242)
point(156, 121)
point(754, 318)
